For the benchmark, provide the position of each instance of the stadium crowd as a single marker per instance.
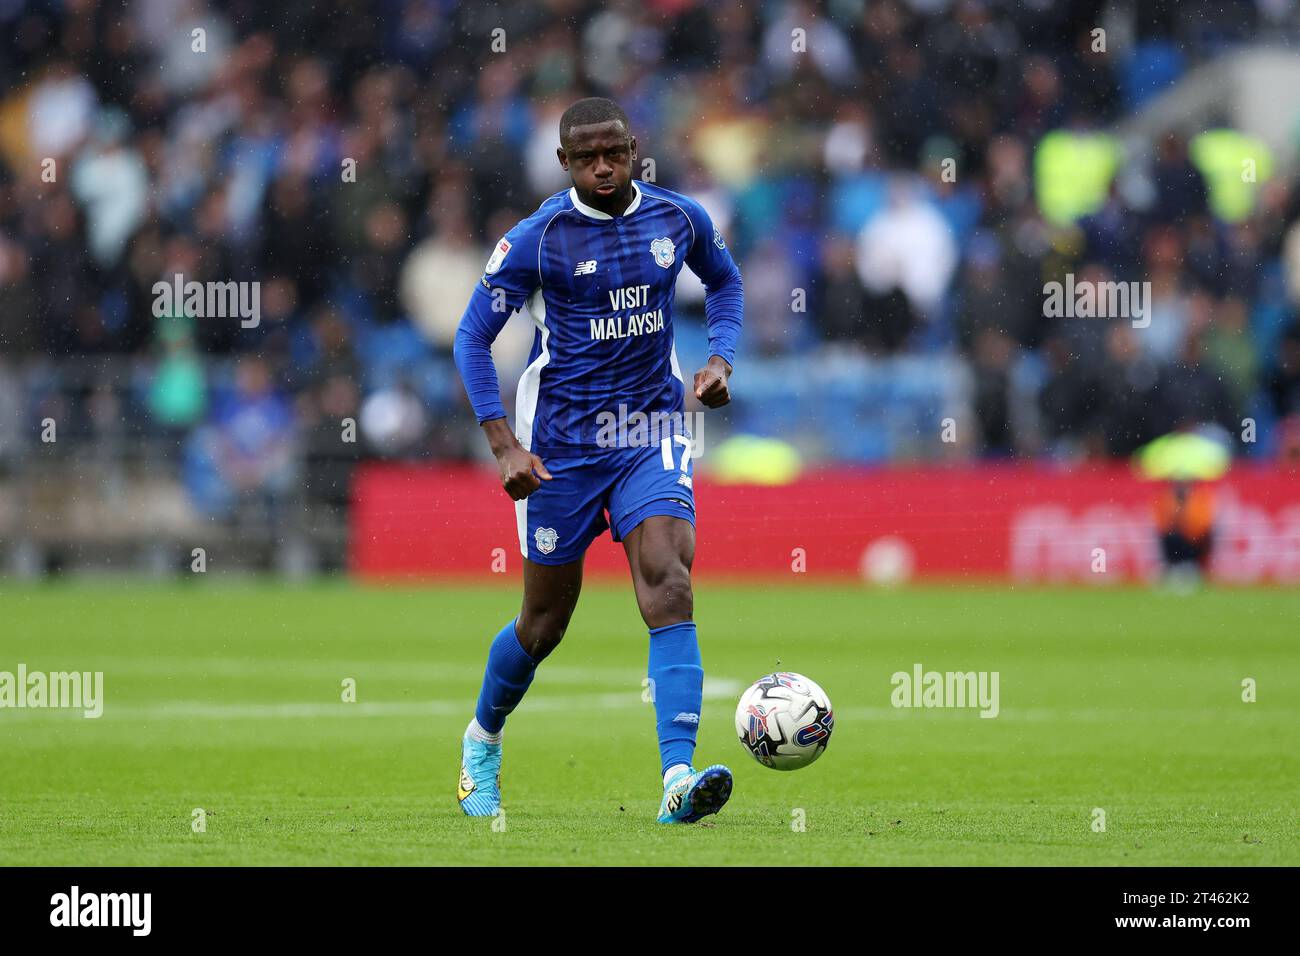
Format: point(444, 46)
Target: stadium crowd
point(877, 167)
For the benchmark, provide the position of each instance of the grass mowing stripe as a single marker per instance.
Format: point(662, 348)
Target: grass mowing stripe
point(1110, 698)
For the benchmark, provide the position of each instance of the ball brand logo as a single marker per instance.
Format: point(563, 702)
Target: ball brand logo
point(756, 729)
point(816, 731)
point(783, 679)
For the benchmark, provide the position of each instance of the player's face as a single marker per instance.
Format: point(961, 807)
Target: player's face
point(600, 159)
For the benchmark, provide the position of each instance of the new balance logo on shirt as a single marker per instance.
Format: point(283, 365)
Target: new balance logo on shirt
point(585, 268)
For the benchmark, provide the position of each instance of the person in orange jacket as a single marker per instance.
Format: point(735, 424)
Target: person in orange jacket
point(1185, 522)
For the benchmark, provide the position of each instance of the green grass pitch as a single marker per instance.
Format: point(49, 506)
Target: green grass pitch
point(228, 698)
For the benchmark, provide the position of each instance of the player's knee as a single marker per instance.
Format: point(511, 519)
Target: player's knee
point(667, 597)
point(540, 630)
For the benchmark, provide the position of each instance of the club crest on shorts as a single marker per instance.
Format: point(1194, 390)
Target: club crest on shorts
point(664, 252)
point(545, 539)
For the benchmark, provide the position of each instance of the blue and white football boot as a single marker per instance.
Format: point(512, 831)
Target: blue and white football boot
point(694, 794)
point(479, 789)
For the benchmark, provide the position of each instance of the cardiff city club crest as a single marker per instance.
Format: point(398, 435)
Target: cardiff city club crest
point(664, 252)
point(545, 538)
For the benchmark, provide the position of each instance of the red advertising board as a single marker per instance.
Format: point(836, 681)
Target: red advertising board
point(1010, 522)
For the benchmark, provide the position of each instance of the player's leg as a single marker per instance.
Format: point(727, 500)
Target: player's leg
point(550, 595)
point(652, 511)
point(660, 551)
point(556, 525)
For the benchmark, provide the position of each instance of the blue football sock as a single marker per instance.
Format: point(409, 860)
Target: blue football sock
point(509, 672)
point(678, 683)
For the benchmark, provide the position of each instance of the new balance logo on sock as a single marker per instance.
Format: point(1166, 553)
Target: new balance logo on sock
point(685, 718)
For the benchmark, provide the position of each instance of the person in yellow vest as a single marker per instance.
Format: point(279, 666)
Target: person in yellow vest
point(1233, 165)
point(1073, 171)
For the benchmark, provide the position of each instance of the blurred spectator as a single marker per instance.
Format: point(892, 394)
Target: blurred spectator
point(393, 420)
point(1229, 348)
point(993, 358)
point(770, 283)
point(900, 177)
point(1128, 410)
point(244, 456)
point(110, 182)
point(177, 395)
point(842, 303)
point(61, 111)
point(331, 449)
point(1283, 382)
point(908, 247)
point(440, 269)
point(800, 35)
point(1180, 192)
point(1193, 392)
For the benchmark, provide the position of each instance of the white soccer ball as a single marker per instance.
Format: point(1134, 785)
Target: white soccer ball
point(784, 720)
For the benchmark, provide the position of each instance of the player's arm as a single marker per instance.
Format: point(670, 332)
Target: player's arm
point(499, 294)
point(724, 306)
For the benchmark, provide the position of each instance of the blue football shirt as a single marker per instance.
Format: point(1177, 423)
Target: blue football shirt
point(599, 289)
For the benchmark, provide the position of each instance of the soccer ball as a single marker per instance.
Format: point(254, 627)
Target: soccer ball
point(784, 720)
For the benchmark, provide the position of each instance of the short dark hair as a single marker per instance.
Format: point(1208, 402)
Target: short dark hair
point(589, 111)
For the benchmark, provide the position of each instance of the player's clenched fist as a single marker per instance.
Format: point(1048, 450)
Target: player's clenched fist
point(522, 472)
point(711, 383)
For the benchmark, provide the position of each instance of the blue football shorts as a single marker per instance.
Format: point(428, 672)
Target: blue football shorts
point(558, 521)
